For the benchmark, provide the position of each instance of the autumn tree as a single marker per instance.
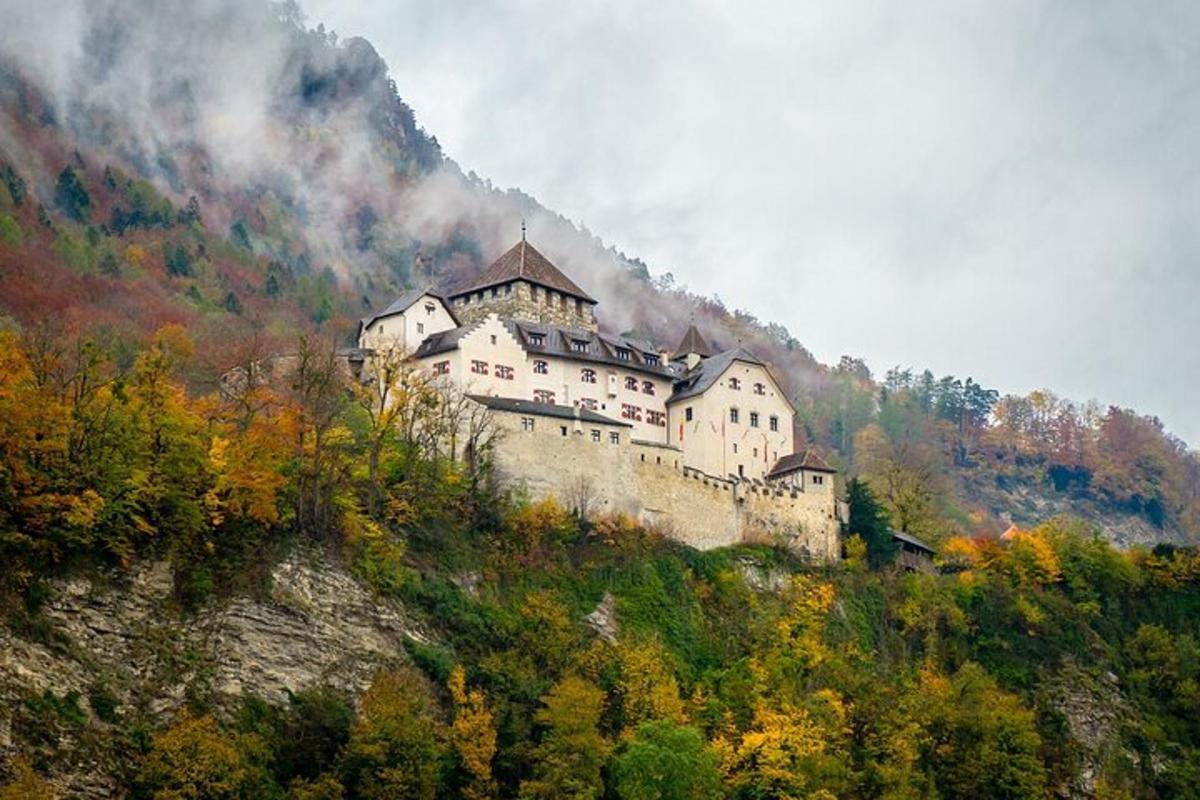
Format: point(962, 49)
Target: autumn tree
point(568, 759)
point(473, 737)
point(397, 746)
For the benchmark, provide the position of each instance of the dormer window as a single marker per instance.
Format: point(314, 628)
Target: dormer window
point(579, 345)
point(624, 353)
point(651, 361)
point(735, 384)
point(537, 339)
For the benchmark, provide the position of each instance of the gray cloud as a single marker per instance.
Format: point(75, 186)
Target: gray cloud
point(1005, 190)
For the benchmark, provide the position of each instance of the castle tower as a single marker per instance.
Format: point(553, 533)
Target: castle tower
point(523, 284)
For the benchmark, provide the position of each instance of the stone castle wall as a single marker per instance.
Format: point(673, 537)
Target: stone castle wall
point(649, 482)
point(517, 301)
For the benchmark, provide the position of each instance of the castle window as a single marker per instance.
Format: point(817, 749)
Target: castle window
point(818, 479)
point(579, 345)
point(657, 418)
point(441, 368)
point(493, 338)
point(734, 383)
point(687, 414)
point(420, 327)
point(541, 368)
point(596, 435)
point(381, 329)
point(647, 387)
point(579, 308)
point(774, 422)
point(430, 308)
point(760, 388)
point(504, 373)
point(479, 367)
point(624, 353)
point(733, 415)
point(527, 423)
point(753, 419)
point(735, 448)
point(741, 471)
point(537, 339)
point(651, 360)
point(588, 403)
point(756, 452)
point(631, 412)
point(614, 437)
point(587, 375)
point(631, 384)
point(544, 396)
point(563, 428)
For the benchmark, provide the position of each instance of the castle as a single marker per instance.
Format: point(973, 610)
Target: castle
point(694, 442)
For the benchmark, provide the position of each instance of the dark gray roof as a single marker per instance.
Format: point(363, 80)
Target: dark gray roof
point(693, 342)
point(808, 460)
point(546, 410)
point(601, 347)
point(444, 341)
point(700, 378)
point(523, 262)
point(910, 539)
point(402, 304)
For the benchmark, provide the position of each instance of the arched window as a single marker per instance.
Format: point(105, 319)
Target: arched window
point(587, 375)
point(647, 387)
point(631, 384)
point(541, 368)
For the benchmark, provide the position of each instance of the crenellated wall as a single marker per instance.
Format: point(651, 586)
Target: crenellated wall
point(563, 458)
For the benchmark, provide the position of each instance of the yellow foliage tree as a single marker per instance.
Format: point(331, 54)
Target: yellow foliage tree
point(646, 687)
point(473, 736)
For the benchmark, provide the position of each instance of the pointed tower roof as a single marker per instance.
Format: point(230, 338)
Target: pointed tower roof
point(524, 262)
point(693, 342)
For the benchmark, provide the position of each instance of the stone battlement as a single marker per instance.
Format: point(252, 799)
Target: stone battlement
point(596, 468)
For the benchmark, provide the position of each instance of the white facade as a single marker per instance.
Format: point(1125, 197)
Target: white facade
point(402, 329)
point(739, 426)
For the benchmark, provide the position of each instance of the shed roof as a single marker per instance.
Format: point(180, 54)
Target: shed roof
point(910, 539)
point(546, 410)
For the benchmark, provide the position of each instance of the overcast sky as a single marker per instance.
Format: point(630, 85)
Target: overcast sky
point(1007, 190)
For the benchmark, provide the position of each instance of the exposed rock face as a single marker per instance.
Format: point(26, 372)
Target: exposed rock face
point(603, 620)
point(1094, 710)
point(317, 627)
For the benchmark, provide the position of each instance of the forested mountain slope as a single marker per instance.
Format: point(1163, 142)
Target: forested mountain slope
point(221, 166)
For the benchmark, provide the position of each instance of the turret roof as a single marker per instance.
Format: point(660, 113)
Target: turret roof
point(693, 342)
point(524, 262)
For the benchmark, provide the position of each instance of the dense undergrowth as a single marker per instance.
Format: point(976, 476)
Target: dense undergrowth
point(736, 673)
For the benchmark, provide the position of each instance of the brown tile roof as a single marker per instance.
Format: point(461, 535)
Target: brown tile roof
point(808, 460)
point(524, 262)
point(693, 342)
